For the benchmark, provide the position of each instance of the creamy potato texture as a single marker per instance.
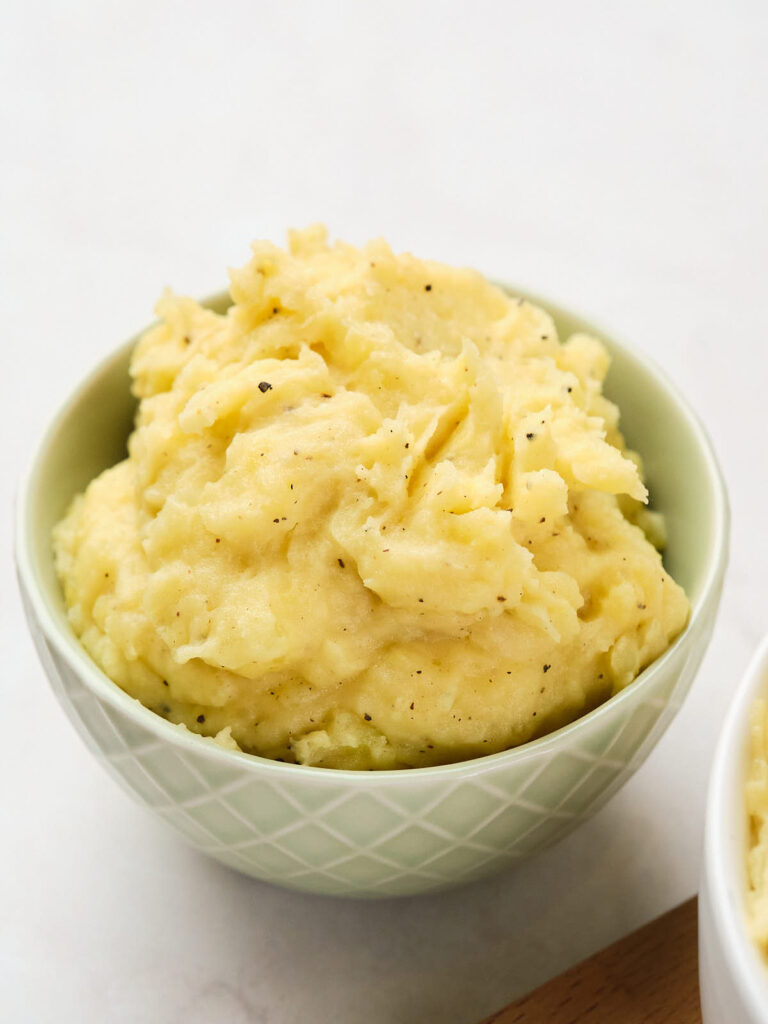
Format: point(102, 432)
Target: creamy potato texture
point(757, 809)
point(377, 515)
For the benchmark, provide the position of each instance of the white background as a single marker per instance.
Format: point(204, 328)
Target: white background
point(613, 156)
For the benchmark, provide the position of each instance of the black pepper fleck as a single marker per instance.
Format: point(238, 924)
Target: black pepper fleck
point(201, 718)
point(341, 562)
point(367, 717)
point(265, 386)
point(546, 668)
point(427, 287)
point(530, 436)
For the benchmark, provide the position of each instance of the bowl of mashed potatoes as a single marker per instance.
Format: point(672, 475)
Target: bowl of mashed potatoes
point(351, 573)
point(733, 898)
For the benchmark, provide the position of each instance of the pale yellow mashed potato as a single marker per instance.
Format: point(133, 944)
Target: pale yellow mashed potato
point(375, 516)
point(757, 809)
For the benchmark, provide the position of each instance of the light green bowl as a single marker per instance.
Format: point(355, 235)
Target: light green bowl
point(385, 833)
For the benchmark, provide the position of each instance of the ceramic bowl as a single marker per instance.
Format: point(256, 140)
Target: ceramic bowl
point(733, 974)
point(383, 833)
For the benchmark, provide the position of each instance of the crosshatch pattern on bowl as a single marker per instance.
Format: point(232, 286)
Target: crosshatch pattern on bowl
point(332, 838)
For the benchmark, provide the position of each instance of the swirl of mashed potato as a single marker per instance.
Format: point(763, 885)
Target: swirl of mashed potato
point(376, 515)
point(756, 799)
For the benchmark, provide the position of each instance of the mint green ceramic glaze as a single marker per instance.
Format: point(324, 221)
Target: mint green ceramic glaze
point(378, 834)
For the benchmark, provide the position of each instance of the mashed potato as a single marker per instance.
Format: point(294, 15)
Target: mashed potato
point(757, 809)
point(375, 516)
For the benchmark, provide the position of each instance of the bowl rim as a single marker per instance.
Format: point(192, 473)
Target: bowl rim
point(69, 648)
point(725, 851)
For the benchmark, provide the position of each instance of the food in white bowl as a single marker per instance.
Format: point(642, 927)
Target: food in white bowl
point(733, 971)
point(757, 811)
point(376, 515)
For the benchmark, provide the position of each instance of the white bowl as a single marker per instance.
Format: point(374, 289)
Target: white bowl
point(733, 974)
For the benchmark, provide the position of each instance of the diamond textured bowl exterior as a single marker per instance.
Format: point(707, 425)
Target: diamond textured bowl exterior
point(372, 834)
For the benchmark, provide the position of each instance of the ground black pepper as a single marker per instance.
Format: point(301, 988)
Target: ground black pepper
point(265, 386)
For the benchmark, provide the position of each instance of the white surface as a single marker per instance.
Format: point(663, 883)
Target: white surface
point(732, 971)
point(615, 159)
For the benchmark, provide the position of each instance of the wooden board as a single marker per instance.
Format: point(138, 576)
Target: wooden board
point(649, 977)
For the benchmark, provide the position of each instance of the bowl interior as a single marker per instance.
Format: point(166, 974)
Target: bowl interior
point(90, 433)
